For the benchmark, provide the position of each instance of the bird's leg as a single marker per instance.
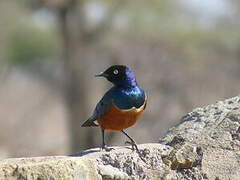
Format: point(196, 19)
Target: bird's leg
point(132, 142)
point(134, 146)
point(104, 146)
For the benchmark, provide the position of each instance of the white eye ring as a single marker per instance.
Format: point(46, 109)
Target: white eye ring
point(115, 72)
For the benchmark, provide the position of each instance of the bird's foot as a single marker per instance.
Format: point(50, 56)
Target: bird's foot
point(134, 147)
point(133, 144)
point(106, 148)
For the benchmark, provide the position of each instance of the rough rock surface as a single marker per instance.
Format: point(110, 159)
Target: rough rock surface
point(204, 145)
point(119, 164)
point(207, 139)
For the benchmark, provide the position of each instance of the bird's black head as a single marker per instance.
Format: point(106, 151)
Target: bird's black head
point(119, 75)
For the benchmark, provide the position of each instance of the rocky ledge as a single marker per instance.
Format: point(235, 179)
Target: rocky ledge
point(204, 145)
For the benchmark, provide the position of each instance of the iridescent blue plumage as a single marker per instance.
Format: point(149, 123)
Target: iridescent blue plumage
point(125, 94)
point(126, 98)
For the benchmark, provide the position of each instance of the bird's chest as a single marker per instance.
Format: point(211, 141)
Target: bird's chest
point(126, 99)
point(117, 119)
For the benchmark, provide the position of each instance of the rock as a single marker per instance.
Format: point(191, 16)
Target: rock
point(149, 166)
point(42, 168)
point(109, 172)
point(118, 164)
point(204, 145)
point(209, 140)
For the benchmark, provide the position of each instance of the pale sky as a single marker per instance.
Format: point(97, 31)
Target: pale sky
point(209, 7)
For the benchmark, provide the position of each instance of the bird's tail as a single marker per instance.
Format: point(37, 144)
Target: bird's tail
point(90, 122)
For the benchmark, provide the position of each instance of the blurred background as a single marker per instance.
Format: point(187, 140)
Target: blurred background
point(186, 54)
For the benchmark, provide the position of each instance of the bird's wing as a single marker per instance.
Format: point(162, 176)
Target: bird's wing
point(102, 108)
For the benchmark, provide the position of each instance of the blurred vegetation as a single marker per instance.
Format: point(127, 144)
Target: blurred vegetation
point(28, 44)
point(183, 57)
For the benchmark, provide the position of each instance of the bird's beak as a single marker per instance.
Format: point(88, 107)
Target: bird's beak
point(101, 74)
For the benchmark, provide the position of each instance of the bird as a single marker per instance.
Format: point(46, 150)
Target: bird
point(121, 106)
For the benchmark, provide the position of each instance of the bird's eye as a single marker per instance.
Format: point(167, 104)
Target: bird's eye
point(115, 72)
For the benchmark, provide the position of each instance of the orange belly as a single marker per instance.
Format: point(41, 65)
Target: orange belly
point(117, 119)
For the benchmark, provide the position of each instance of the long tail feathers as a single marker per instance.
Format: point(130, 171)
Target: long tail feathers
point(89, 123)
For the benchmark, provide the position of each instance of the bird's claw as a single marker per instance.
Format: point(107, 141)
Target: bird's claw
point(133, 144)
point(134, 147)
point(106, 148)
